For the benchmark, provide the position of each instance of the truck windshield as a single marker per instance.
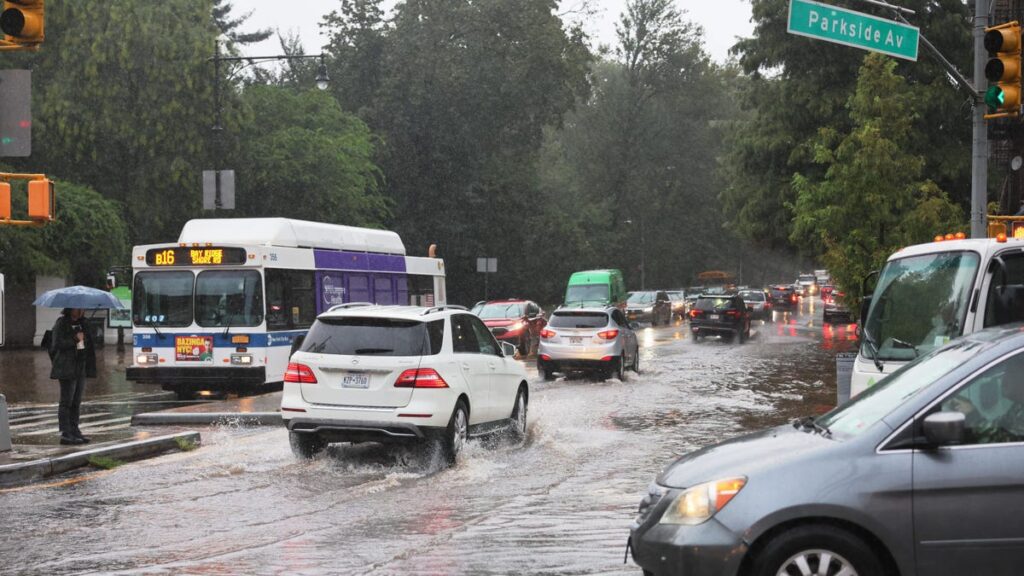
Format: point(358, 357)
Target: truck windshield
point(587, 293)
point(919, 304)
point(226, 298)
point(162, 299)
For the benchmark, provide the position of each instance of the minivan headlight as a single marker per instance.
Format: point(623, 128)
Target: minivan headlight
point(699, 503)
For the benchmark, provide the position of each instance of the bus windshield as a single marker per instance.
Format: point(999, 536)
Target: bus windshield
point(162, 299)
point(226, 298)
point(919, 304)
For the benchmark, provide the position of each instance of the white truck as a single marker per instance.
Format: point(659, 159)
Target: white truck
point(928, 294)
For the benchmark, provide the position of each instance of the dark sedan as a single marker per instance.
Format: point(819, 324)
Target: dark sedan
point(920, 474)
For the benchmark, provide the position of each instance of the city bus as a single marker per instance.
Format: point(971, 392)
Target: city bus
point(929, 294)
point(218, 310)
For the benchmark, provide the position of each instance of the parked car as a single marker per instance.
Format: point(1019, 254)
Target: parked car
point(759, 303)
point(597, 340)
point(596, 288)
point(722, 314)
point(834, 307)
point(678, 300)
point(367, 373)
point(653, 306)
point(783, 297)
point(515, 321)
point(920, 474)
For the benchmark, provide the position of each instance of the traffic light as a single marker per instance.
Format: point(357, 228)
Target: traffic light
point(1003, 68)
point(40, 200)
point(5, 201)
point(22, 22)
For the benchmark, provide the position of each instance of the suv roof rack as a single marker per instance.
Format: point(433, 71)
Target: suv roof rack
point(433, 309)
point(348, 305)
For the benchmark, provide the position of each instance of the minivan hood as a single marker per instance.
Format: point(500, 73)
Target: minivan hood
point(743, 456)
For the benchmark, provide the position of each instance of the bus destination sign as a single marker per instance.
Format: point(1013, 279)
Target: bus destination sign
point(195, 256)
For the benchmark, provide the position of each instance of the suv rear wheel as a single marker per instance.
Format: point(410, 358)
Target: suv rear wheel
point(306, 445)
point(454, 438)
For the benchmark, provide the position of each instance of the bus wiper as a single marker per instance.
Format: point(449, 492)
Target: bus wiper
point(903, 344)
point(373, 350)
point(152, 325)
point(874, 349)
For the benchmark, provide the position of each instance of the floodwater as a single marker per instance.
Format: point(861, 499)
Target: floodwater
point(559, 503)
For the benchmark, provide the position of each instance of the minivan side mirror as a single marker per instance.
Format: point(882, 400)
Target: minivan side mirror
point(508, 349)
point(944, 428)
point(296, 344)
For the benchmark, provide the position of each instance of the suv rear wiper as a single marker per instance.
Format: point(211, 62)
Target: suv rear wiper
point(373, 350)
point(874, 349)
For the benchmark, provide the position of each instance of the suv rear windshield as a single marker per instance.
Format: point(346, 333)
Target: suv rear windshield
point(579, 320)
point(753, 296)
point(353, 336)
point(715, 304)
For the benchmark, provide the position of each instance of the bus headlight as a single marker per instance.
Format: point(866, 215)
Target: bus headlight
point(146, 359)
point(241, 359)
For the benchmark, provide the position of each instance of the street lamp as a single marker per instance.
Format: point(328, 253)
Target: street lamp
point(643, 255)
point(322, 83)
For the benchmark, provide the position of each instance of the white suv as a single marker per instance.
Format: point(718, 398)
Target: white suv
point(367, 373)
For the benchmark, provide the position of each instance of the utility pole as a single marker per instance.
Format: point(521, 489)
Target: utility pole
point(979, 156)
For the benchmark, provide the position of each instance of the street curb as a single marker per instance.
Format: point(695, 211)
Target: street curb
point(209, 418)
point(23, 472)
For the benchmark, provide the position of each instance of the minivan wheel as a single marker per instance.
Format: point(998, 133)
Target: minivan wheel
point(306, 445)
point(454, 438)
point(816, 549)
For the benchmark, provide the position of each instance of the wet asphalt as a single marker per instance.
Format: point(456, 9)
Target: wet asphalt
point(559, 503)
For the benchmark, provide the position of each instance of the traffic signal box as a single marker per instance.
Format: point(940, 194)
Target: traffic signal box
point(1003, 43)
point(41, 200)
point(23, 24)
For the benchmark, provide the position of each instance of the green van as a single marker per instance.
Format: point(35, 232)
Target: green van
point(596, 288)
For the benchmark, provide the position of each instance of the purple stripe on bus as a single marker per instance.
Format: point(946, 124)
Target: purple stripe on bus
point(340, 260)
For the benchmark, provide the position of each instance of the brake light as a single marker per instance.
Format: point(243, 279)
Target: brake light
point(695, 313)
point(608, 334)
point(545, 333)
point(299, 374)
point(793, 298)
point(420, 378)
point(733, 313)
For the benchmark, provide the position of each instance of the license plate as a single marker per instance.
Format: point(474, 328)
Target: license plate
point(356, 381)
point(575, 340)
point(713, 316)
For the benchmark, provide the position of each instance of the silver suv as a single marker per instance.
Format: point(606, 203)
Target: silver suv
point(597, 340)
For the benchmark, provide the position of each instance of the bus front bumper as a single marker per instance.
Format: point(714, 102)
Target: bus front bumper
point(221, 378)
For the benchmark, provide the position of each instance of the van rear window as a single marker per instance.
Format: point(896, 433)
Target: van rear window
point(578, 320)
point(353, 336)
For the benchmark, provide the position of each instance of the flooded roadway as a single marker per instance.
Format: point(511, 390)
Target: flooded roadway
point(560, 503)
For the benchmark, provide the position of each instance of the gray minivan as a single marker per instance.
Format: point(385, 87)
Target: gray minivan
point(920, 474)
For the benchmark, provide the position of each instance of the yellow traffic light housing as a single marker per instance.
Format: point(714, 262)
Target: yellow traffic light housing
point(23, 23)
point(1003, 43)
point(5, 201)
point(41, 200)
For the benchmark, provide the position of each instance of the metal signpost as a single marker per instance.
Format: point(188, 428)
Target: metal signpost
point(842, 26)
point(486, 266)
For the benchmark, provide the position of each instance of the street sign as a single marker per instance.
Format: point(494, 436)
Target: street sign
point(842, 26)
point(16, 113)
point(227, 189)
point(487, 265)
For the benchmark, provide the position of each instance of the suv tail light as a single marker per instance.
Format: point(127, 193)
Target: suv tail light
point(420, 378)
point(545, 333)
point(733, 313)
point(299, 374)
point(695, 313)
point(608, 334)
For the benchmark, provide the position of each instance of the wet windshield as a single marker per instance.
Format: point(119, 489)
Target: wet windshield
point(873, 404)
point(640, 298)
point(162, 299)
point(919, 304)
point(711, 304)
point(374, 336)
point(227, 298)
point(492, 311)
point(753, 296)
point(587, 293)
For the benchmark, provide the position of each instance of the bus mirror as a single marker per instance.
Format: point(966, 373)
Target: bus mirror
point(296, 344)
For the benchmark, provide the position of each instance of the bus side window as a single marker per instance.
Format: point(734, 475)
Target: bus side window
point(291, 299)
point(1005, 301)
point(383, 293)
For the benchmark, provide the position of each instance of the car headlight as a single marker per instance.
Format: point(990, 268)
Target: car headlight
point(699, 503)
point(649, 309)
point(516, 326)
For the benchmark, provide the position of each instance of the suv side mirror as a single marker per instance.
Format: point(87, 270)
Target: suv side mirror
point(296, 344)
point(508, 349)
point(944, 428)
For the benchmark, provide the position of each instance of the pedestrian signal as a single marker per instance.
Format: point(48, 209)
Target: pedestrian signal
point(22, 22)
point(1003, 43)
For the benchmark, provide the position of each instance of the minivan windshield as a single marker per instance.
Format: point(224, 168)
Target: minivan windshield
point(919, 304)
point(578, 320)
point(354, 336)
point(873, 404)
point(753, 296)
point(587, 293)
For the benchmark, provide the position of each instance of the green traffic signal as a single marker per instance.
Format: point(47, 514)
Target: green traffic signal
point(994, 98)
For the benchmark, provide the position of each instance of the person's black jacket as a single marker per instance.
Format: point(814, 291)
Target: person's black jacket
point(64, 351)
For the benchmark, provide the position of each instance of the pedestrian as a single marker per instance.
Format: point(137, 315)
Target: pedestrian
point(74, 360)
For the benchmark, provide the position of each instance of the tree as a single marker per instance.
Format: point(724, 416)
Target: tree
point(229, 26)
point(873, 197)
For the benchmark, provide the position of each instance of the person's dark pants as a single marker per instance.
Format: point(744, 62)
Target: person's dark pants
point(70, 405)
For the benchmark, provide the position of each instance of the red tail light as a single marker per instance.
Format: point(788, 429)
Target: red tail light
point(420, 378)
point(733, 313)
point(695, 313)
point(545, 357)
point(545, 333)
point(608, 334)
point(299, 374)
point(792, 298)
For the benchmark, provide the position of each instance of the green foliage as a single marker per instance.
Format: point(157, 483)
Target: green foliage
point(104, 462)
point(873, 198)
point(186, 444)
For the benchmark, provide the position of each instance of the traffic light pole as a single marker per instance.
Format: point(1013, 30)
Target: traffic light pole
point(979, 148)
